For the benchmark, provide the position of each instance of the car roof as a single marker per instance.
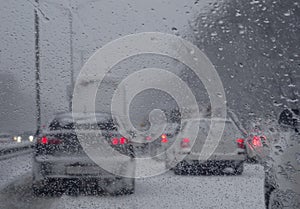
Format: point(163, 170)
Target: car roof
point(71, 115)
point(211, 119)
point(87, 117)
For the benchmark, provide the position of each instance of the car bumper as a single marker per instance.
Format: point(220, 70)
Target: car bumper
point(76, 168)
point(240, 156)
point(210, 163)
point(209, 166)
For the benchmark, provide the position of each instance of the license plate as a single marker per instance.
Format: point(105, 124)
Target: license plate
point(83, 170)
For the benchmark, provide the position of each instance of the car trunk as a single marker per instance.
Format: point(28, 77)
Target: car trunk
point(227, 143)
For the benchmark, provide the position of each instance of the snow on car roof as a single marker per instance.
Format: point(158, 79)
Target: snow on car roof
point(82, 116)
point(210, 119)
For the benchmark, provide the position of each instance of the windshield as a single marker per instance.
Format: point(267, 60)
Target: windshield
point(69, 125)
point(149, 104)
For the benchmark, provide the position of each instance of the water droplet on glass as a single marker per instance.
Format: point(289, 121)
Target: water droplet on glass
point(214, 34)
point(288, 13)
point(297, 156)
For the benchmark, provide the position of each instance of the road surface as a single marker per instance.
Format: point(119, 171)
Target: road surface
point(163, 191)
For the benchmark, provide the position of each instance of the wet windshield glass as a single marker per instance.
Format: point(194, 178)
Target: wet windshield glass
point(149, 104)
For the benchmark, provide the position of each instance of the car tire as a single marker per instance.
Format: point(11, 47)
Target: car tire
point(38, 191)
point(127, 190)
point(181, 168)
point(179, 171)
point(239, 169)
point(130, 190)
point(44, 190)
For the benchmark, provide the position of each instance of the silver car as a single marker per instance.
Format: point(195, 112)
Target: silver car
point(227, 158)
point(61, 165)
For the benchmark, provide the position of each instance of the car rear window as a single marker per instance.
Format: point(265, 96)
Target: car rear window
point(70, 125)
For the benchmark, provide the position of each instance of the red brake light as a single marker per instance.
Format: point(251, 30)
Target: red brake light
point(164, 138)
point(123, 140)
point(185, 143)
point(240, 143)
point(44, 140)
point(186, 140)
point(115, 141)
point(54, 141)
point(256, 141)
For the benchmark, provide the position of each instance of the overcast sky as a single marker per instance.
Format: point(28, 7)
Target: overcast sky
point(254, 46)
point(94, 24)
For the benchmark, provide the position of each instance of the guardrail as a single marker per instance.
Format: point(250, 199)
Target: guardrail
point(15, 149)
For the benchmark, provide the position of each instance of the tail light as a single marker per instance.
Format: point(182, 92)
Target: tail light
point(256, 141)
point(116, 141)
point(44, 140)
point(47, 145)
point(164, 138)
point(123, 140)
point(241, 143)
point(185, 143)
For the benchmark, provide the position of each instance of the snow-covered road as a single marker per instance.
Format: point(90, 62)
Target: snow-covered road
point(13, 168)
point(163, 191)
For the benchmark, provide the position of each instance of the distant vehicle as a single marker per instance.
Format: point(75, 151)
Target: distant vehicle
point(153, 145)
point(23, 137)
point(256, 142)
point(27, 136)
point(60, 162)
point(17, 138)
point(5, 138)
point(228, 157)
point(167, 138)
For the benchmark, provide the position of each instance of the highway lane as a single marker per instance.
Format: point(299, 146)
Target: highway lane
point(12, 168)
point(171, 191)
point(162, 191)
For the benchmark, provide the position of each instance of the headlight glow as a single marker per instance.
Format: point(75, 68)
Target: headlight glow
point(19, 139)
